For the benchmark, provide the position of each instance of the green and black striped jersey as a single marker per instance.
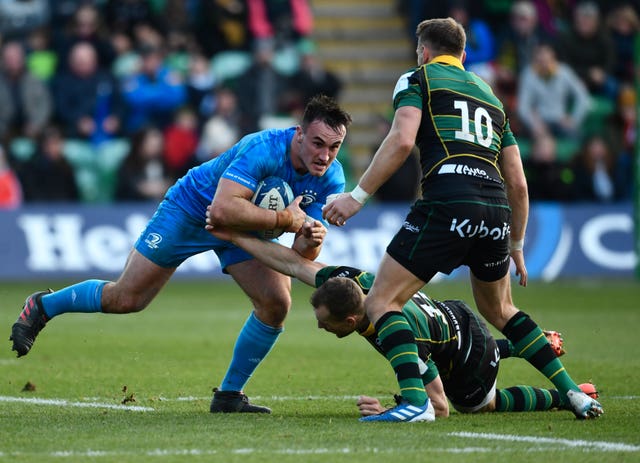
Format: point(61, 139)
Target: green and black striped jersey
point(436, 326)
point(463, 127)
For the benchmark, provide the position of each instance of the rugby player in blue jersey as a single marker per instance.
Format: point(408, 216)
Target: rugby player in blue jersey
point(304, 156)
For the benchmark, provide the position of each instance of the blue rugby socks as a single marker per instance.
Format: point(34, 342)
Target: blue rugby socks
point(253, 344)
point(81, 297)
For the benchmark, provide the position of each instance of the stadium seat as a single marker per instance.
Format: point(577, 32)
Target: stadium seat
point(22, 148)
point(230, 64)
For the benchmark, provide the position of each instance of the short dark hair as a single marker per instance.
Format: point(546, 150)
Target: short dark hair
point(341, 296)
point(327, 110)
point(442, 35)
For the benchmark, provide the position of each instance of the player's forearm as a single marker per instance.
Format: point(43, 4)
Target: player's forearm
point(307, 251)
point(517, 191)
point(278, 257)
point(518, 198)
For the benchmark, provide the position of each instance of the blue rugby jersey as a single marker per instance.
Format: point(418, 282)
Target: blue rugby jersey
point(253, 158)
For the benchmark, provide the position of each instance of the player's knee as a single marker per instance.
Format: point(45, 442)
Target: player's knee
point(273, 310)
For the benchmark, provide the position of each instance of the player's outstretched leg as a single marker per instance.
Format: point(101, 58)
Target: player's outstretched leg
point(404, 412)
point(42, 306)
point(29, 323)
point(234, 402)
point(531, 344)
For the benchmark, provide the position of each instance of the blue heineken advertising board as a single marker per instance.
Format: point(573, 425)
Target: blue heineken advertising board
point(93, 241)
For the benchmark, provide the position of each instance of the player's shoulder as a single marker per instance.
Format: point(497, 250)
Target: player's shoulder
point(405, 81)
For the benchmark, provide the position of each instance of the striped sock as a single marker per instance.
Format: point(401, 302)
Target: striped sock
point(505, 348)
point(399, 345)
point(526, 399)
point(531, 344)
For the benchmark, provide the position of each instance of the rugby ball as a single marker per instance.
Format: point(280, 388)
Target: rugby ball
point(275, 194)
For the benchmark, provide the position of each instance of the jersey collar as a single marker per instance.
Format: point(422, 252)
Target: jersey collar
point(369, 331)
point(447, 59)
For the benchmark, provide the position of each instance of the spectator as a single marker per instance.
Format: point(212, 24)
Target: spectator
point(548, 178)
point(623, 25)
point(590, 51)
point(18, 18)
point(404, 184)
point(221, 25)
point(480, 47)
point(126, 15)
point(262, 97)
point(555, 15)
point(594, 168)
point(41, 60)
point(623, 125)
point(10, 188)
point(416, 11)
point(126, 61)
point(181, 142)
point(282, 21)
point(47, 176)
point(313, 77)
point(87, 99)
point(26, 102)
point(85, 27)
point(551, 98)
point(143, 176)
point(200, 85)
point(222, 129)
point(516, 43)
point(153, 94)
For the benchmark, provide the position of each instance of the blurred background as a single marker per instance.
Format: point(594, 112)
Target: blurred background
point(104, 104)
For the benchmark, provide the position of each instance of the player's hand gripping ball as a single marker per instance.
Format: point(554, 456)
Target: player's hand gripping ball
point(275, 194)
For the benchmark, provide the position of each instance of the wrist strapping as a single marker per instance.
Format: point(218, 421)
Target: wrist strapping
point(360, 195)
point(516, 245)
point(284, 219)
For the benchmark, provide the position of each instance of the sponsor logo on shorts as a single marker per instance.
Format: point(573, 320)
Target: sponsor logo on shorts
point(465, 229)
point(152, 240)
point(496, 264)
point(410, 227)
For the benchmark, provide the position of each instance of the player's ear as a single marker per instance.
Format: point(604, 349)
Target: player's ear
point(299, 134)
point(464, 56)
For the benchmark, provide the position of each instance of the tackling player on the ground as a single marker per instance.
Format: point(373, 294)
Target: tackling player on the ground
point(304, 156)
point(458, 356)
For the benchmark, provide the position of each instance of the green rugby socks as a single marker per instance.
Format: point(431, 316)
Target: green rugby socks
point(526, 399)
point(531, 344)
point(399, 345)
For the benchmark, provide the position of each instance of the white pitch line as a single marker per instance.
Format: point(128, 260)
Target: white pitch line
point(592, 445)
point(239, 451)
point(66, 403)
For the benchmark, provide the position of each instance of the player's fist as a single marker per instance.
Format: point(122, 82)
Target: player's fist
point(369, 406)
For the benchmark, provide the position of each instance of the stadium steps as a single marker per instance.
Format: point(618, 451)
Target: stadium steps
point(367, 44)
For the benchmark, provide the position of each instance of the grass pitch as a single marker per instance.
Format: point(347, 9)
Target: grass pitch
point(137, 388)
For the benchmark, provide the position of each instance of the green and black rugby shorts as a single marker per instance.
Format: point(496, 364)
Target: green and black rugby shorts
point(440, 236)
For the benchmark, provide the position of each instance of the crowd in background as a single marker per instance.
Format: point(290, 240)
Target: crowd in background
point(113, 100)
point(565, 71)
